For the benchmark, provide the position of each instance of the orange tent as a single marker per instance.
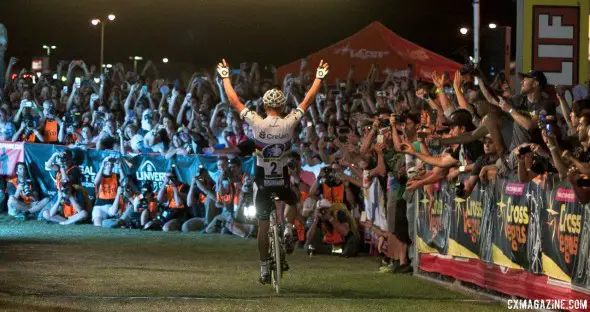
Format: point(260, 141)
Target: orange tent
point(375, 44)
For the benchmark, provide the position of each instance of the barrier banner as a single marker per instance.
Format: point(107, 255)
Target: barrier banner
point(562, 226)
point(10, 154)
point(581, 274)
point(35, 156)
point(465, 238)
point(141, 167)
point(517, 235)
point(434, 216)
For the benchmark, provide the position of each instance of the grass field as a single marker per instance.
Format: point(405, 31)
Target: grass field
point(80, 268)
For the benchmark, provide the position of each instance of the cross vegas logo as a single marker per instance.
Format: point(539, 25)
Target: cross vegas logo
point(148, 172)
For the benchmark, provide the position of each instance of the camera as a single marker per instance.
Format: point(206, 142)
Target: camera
point(434, 143)
point(398, 118)
point(65, 192)
point(469, 69)
point(422, 134)
point(384, 123)
point(26, 187)
point(329, 176)
point(460, 189)
point(29, 123)
point(143, 205)
point(525, 150)
point(327, 171)
point(201, 173)
point(165, 214)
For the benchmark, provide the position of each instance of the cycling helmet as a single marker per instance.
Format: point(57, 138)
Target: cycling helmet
point(274, 98)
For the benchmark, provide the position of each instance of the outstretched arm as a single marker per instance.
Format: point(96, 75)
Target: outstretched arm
point(321, 73)
point(232, 96)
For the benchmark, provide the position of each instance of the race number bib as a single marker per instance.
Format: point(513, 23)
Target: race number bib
point(273, 164)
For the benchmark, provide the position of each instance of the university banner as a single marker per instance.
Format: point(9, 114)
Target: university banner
point(434, 218)
point(35, 156)
point(562, 227)
point(470, 235)
point(517, 228)
point(10, 154)
point(140, 168)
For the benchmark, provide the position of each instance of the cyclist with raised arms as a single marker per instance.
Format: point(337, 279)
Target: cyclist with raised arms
point(273, 137)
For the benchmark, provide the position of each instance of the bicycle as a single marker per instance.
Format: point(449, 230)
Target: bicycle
point(276, 249)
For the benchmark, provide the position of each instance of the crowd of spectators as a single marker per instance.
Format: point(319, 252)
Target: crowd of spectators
point(405, 134)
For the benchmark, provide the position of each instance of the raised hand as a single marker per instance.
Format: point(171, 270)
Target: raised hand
point(379, 147)
point(322, 70)
point(407, 148)
point(439, 81)
point(13, 60)
point(457, 80)
point(223, 69)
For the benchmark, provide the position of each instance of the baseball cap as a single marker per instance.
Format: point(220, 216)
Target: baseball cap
point(537, 75)
point(460, 117)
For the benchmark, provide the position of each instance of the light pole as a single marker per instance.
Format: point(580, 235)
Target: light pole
point(49, 48)
point(135, 59)
point(96, 21)
point(476, 21)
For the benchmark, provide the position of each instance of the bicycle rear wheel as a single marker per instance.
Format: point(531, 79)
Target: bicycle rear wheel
point(276, 273)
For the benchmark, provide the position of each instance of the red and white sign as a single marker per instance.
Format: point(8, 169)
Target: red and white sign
point(565, 195)
point(37, 65)
point(514, 189)
point(556, 31)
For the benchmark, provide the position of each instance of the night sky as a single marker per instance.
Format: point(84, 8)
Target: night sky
point(200, 32)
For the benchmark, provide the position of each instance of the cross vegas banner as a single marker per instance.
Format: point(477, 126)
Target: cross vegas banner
point(517, 235)
point(434, 218)
point(562, 226)
point(470, 234)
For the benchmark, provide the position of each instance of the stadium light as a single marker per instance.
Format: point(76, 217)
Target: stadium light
point(165, 60)
point(492, 25)
point(96, 21)
point(464, 30)
point(48, 48)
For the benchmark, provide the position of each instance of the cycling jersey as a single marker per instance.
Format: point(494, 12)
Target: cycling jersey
point(272, 137)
